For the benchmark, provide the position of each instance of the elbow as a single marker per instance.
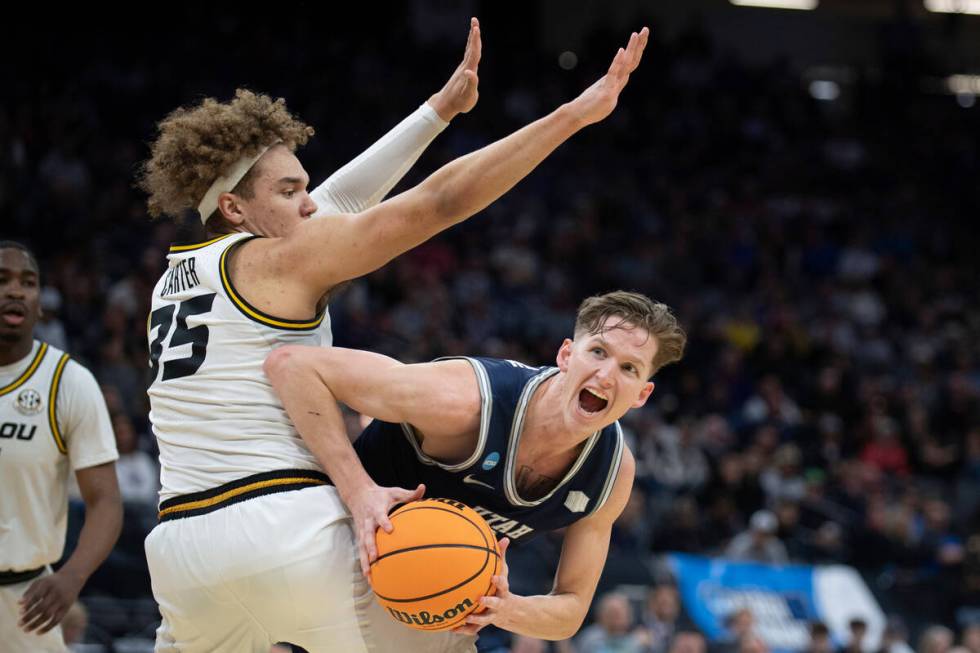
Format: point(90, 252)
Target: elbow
point(570, 629)
point(440, 202)
point(572, 622)
point(281, 362)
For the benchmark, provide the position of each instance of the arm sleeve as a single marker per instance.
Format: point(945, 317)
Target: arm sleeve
point(365, 181)
point(84, 419)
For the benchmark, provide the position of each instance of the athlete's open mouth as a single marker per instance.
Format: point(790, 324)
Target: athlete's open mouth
point(592, 401)
point(13, 314)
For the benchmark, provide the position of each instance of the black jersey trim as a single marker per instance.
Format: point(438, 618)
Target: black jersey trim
point(187, 248)
point(243, 489)
point(253, 313)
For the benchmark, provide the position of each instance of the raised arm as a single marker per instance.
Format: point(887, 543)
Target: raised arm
point(319, 254)
point(311, 380)
point(559, 614)
point(363, 182)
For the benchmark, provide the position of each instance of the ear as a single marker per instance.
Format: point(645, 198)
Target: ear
point(230, 207)
point(564, 353)
point(644, 395)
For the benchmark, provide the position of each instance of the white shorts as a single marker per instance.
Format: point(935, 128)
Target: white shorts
point(280, 567)
point(13, 638)
point(275, 568)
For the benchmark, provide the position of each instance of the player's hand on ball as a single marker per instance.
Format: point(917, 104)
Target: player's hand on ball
point(499, 609)
point(461, 92)
point(599, 100)
point(369, 511)
point(46, 601)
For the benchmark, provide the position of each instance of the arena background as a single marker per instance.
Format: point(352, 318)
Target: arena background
point(800, 185)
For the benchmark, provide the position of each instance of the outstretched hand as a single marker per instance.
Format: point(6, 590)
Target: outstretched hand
point(369, 512)
point(599, 100)
point(461, 92)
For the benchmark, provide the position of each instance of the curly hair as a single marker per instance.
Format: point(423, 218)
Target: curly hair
point(198, 144)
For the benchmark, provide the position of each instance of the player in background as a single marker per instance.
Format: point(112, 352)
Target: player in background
point(53, 421)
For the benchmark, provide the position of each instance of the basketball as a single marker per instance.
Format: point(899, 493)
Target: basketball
point(434, 566)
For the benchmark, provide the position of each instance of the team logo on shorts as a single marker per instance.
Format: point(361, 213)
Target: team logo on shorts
point(29, 402)
point(491, 461)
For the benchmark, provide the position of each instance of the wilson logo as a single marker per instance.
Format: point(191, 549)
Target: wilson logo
point(425, 618)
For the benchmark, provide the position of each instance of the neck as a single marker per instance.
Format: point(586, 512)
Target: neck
point(544, 426)
point(14, 351)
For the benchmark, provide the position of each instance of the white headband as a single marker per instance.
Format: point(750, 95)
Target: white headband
point(226, 182)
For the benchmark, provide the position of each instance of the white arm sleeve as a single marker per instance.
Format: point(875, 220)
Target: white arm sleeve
point(84, 419)
point(365, 181)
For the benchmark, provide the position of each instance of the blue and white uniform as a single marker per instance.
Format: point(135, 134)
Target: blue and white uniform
point(487, 479)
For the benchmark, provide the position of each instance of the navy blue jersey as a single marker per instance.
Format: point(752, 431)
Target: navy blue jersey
point(486, 480)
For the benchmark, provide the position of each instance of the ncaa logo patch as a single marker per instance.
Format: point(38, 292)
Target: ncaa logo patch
point(28, 402)
point(491, 461)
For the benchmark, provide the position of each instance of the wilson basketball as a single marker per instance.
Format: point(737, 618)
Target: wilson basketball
point(435, 565)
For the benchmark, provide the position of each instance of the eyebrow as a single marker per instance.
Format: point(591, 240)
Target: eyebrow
point(292, 180)
point(629, 359)
point(24, 272)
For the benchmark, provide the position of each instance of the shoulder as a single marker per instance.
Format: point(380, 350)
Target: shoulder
point(508, 379)
point(77, 377)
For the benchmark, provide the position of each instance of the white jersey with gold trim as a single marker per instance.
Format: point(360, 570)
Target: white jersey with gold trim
point(213, 411)
point(53, 420)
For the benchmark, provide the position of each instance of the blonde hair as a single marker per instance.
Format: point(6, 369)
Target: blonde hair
point(197, 144)
point(639, 311)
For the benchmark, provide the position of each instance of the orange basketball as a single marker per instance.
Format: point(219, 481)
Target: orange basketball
point(435, 565)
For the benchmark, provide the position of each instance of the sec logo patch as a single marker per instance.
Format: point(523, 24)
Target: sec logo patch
point(29, 402)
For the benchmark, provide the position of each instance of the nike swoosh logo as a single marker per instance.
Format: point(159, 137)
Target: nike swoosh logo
point(472, 481)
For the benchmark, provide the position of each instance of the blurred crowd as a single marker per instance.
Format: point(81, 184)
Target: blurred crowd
point(819, 255)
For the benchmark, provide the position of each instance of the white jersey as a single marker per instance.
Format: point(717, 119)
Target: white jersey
point(53, 420)
point(213, 411)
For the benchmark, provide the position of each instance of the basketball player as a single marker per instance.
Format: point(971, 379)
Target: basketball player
point(53, 421)
point(254, 547)
point(531, 449)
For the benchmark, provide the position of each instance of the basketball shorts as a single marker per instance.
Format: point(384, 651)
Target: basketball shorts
point(277, 567)
point(15, 640)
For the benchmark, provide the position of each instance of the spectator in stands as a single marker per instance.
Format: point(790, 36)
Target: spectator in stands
point(660, 618)
point(783, 480)
point(752, 643)
point(759, 543)
point(820, 639)
point(894, 637)
point(970, 637)
point(739, 624)
point(613, 630)
point(139, 474)
point(688, 641)
point(857, 629)
point(935, 639)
